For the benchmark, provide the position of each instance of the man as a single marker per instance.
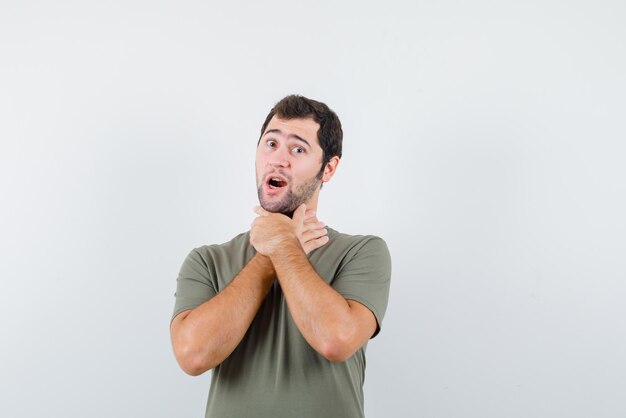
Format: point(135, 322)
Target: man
point(283, 313)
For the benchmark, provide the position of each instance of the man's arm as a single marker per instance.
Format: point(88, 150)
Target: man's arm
point(205, 336)
point(335, 327)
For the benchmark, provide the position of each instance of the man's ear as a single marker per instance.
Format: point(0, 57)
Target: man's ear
point(329, 170)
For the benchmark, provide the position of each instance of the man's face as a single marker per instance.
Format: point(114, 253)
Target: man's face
point(288, 163)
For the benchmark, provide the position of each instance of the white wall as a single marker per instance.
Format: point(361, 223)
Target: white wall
point(483, 140)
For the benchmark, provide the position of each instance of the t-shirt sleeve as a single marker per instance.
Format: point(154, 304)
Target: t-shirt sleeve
point(365, 277)
point(194, 284)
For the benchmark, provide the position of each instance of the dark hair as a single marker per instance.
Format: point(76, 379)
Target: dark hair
point(329, 135)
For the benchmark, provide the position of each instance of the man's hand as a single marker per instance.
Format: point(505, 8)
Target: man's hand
point(314, 234)
point(271, 231)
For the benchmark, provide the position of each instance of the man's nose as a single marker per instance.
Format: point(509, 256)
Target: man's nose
point(279, 163)
point(279, 158)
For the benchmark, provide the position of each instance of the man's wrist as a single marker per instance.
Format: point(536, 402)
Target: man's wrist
point(288, 248)
point(264, 264)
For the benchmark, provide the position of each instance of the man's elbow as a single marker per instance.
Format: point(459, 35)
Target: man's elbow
point(192, 369)
point(338, 349)
point(193, 363)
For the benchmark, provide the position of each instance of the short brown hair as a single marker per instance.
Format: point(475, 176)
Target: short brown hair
point(329, 135)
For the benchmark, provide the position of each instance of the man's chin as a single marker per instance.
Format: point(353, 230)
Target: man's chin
point(285, 204)
point(277, 209)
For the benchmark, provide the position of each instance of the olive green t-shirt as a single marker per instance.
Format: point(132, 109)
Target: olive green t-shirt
point(274, 372)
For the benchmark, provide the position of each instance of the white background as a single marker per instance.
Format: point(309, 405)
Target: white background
point(484, 140)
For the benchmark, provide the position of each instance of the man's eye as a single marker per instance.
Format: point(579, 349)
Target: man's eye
point(298, 150)
point(271, 143)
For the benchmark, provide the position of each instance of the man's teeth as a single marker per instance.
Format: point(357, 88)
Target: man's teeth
point(275, 183)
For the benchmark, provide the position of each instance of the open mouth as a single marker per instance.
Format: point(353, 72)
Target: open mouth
point(276, 183)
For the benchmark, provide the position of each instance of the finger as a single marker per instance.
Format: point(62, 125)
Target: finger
point(315, 244)
point(308, 226)
point(260, 211)
point(309, 219)
point(314, 228)
point(314, 234)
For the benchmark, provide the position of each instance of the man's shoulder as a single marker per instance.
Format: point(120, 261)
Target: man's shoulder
point(351, 239)
point(240, 243)
point(342, 244)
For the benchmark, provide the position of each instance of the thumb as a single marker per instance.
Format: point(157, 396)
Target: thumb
point(260, 211)
point(298, 215)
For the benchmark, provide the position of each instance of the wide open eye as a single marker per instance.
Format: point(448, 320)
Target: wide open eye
point(298, 150)
point(270, 143)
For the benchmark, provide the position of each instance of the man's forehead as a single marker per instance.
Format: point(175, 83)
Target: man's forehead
point(303, 127)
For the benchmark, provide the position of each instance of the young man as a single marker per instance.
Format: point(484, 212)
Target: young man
point(283, 313)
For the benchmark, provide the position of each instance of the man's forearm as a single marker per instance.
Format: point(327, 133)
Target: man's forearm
point(205, 336)
point(322, 315)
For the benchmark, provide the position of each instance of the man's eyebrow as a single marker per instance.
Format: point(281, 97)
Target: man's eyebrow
point(278, 131)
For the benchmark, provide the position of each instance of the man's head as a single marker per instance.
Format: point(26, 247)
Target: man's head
point(299, 149)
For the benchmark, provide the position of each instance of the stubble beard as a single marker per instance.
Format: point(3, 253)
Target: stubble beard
point(293, 198)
